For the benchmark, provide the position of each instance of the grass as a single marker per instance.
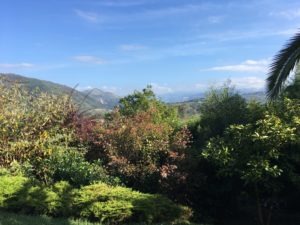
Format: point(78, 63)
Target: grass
point(14, 219)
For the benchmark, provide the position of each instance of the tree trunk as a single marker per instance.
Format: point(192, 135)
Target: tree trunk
point(258, 205)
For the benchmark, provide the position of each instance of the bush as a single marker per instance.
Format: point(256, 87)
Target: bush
point(70, 165)
point(31, 123)
point(22, 194)
point(9, 186)
point(220, 108)
point(142, 152)
point(102, 202)
point(99, 202)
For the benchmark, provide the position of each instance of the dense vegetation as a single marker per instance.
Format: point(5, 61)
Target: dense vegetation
point(237, 157)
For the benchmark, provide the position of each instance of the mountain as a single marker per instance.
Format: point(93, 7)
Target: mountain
point(102, 97)
point(180, 97)
point(189, 105)
point(94, 101)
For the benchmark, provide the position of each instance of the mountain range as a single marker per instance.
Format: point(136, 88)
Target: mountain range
point(90, 100)
point(99, 101)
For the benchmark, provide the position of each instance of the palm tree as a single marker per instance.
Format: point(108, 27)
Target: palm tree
point(282, 66)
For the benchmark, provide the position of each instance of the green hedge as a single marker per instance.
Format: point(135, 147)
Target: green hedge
point(97, 202)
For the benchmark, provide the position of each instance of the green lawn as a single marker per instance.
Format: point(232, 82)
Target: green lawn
point(14, 219)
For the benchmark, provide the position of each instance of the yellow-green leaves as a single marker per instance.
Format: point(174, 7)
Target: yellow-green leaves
point(31, 123)
point(256, 152)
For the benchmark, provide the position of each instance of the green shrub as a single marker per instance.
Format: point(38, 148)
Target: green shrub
point(70, 165)
point(9, 187)
point(22, 194)
point(116, 204)
point(101, 202)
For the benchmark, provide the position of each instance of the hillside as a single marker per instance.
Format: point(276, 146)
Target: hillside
point(102, 97)
point(191, 107)
point(84, 100)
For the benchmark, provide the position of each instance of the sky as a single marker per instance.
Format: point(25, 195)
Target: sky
point(123, 45)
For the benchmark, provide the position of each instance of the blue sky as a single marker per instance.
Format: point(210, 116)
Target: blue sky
point(122, 45)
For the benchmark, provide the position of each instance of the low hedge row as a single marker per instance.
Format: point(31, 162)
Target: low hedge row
point(96, 202)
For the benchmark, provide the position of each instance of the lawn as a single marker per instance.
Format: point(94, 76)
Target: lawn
point(14, 219)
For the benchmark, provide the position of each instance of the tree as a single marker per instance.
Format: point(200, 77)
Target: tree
point(221, 108)
point(283, 64)
point(292, 91)
point(258, 153)
point(141, 101)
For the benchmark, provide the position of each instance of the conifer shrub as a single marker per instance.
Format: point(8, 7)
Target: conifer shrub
point(97, 202)
point(116, 204)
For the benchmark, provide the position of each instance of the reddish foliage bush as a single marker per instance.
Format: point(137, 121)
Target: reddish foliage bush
point(137, 148)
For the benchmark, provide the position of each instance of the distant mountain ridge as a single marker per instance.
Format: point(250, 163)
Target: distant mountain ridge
point(181, 97)
point(94, 100)
point(98, 101)
point(102, 97)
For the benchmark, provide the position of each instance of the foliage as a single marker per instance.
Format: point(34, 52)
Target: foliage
point(189, 109)
point(37, 133)
point(220, 108)
point(139, 150)
point(9, 186)
point(22, 194)
point(17, 219)
point(31, 124)
point(120, 204)
point(98, 201)
point(256, 152)
point(70, 165)
point(283, 64)
point(292, 90)
point(145, 101)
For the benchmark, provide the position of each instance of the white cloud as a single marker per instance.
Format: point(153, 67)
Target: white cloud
point(161, 89)
point(288, 14)
point(90, 59)
point(16, 65)
point(132, 47)
point(88, 16)
point(246, 66)
point(254, 83)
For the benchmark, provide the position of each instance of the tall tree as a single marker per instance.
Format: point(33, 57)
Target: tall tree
point(283, 64)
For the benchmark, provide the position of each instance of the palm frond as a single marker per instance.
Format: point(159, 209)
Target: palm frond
point(283, 63)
